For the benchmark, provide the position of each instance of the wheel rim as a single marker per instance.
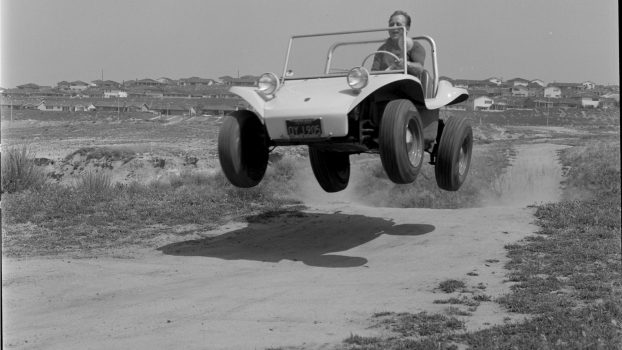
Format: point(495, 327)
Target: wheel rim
point(412, 145)
point(463, 158)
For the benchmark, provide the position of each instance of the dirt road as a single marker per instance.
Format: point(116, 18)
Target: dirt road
point(304, 279)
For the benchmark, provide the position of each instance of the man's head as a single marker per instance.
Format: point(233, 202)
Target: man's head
point(398, 18)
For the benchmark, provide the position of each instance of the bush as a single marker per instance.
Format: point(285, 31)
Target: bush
point(19, 171)
point(94, 184)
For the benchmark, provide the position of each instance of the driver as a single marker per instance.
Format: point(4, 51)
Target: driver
point(394, 44)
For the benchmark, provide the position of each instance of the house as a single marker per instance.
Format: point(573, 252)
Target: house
point(471, 84)
point(612, 95)
point(589, 102)
point(52, 106)
point(535, 89)
point(568, 89)
point(588, 85)
point(196, 82)
point(29, 86)
point(172, 108)
point(607, 103)
point(166, 81)
point(247, 80)
point(63, 85)
point(144, 82)
point(542, 103)
point(537, 82)
point(115, 93)
point(567, 103)
point(520, 91)
point(78, 85)
point(106, 84)
point(517, 82)
point(552, 92)
point(482, 103)
point(110, 106)
point(496, 81)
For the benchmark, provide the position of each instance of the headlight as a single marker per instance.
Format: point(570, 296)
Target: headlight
point(358, 77)
point(268, 83)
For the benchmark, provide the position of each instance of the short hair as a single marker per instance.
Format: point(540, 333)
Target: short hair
point(403, 13)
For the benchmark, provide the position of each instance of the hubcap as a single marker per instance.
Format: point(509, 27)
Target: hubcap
point(463, 159)
point(412, 146)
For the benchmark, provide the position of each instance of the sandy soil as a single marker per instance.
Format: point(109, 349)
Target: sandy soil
point(307, 279)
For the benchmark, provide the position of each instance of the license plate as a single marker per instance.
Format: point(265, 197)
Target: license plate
point(304, 128)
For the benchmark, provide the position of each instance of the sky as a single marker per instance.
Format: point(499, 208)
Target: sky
point(45, 42)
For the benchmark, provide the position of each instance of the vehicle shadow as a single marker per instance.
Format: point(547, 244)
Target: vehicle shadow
point(298, 236)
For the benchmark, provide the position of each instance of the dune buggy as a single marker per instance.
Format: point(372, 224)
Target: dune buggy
point(338, 106)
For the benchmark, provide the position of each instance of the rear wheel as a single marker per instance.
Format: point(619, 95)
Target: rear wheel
point(331, 169)
point(243, 149)
point(401, 141)
point(454, 154)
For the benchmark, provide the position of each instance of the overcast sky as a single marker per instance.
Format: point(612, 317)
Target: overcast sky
point(45, 41)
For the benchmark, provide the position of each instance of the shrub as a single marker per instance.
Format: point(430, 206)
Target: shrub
point(450, 286)
point(19, 171)
point(95, 183)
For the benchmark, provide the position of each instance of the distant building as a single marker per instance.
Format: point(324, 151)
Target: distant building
point(115, 93)
point(166, 81)
point(520, 91)
point(247, 80)
point(517, 82)
point(196, 82)
point(106, 84)
point(590, 102)
point(568, 89)
point(78, 85)
point(552, 92)
point(29, 86)
point(482, 103)
point(143, 82)
point(588, 85)
point(496, 81)
point(537, 82)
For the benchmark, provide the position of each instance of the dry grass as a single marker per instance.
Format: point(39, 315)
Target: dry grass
point(97, 215)
point(19, 172)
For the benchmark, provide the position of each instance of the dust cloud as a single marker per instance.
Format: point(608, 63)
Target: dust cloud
point(533, 177)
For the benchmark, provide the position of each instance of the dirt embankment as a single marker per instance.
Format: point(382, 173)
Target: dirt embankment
point(304, 279)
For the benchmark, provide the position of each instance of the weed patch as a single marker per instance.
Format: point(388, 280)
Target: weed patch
point(19, 171)
point(450, 286)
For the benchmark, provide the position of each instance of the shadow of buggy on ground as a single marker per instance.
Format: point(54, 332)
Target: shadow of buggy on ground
point(311, 238)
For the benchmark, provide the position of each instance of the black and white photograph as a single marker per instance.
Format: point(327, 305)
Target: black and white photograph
point(310, 175)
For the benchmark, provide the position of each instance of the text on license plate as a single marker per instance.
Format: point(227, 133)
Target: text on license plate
point(304, 128)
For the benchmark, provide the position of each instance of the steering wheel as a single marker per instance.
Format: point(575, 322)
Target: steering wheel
point(397, 59)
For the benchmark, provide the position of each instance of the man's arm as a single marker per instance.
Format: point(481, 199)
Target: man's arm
point(416, 57)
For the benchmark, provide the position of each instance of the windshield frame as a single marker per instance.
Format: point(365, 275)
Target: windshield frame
point(329, 55)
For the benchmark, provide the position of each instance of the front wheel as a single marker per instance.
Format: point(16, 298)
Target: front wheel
point(454, 154)
point(243, 149)
point(331, 169)
point(401, 141)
